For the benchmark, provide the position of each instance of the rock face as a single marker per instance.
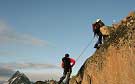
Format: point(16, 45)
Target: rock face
point(40, 82)
point(46, 82)
point(19, 78)
point(114, 61)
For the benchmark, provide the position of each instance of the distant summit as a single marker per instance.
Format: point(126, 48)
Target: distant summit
point(114, 61)
point(19, 78)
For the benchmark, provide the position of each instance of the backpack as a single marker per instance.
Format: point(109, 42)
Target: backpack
point(96, 27)
point(66, 62)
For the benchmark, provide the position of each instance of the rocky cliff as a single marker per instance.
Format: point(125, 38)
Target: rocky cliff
point(114, 61)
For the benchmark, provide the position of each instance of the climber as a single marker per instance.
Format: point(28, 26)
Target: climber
point(96, 29)
point(67, 64)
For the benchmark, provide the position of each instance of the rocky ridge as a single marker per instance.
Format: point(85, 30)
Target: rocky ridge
point(114, 62)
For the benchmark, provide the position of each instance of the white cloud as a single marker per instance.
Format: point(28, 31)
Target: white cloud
point(9, 36)
point(27, 39)
point(38, 70)
point(36, 76)
point(5, 72)
point(7, 53)
point(3, 78)
point(3, 27)
point(29, 66)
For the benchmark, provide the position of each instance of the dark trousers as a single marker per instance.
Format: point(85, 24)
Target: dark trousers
point(99, 39)
point(67, 72)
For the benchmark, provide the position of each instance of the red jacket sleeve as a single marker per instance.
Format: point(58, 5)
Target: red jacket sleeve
point(72, 61)
point(62, 64)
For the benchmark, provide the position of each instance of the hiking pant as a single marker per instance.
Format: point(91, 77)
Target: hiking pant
point(99, 39)
point(66, 73)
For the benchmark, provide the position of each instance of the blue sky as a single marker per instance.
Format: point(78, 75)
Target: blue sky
point(35, 34)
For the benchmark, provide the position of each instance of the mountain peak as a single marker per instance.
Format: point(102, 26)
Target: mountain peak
point(19, 78)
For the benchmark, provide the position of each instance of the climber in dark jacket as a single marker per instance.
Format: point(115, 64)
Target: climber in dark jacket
point(96, 29)
point(67, 64)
